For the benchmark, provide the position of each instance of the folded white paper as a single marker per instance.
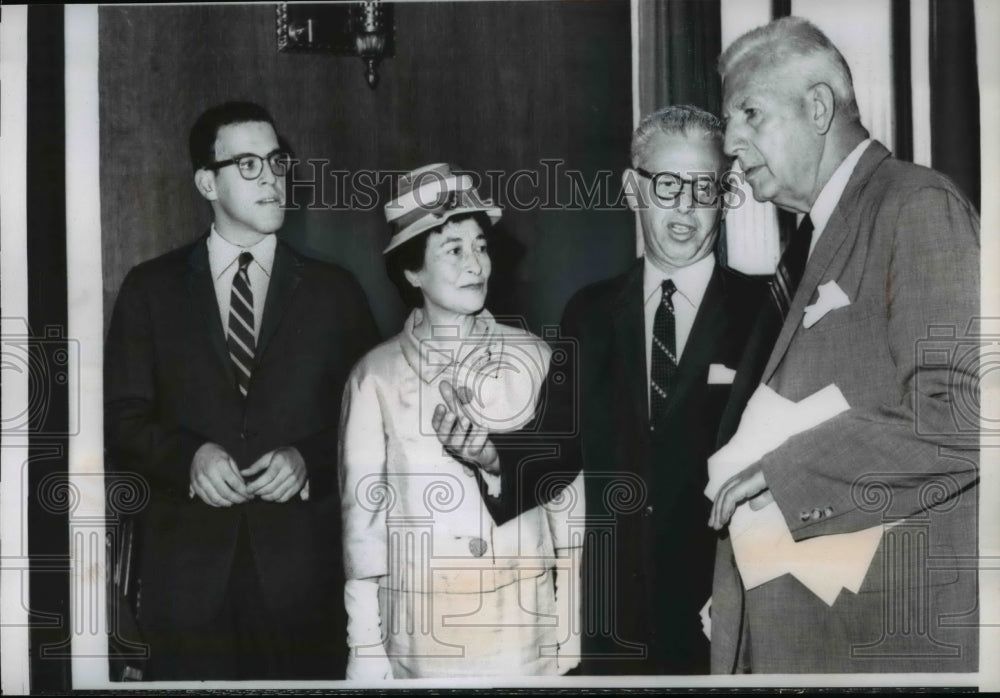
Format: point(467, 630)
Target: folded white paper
point(767, 422)
point(831, 297)
point(720, 374)
point(765, 550)
point(756, 535)
point(762, 544)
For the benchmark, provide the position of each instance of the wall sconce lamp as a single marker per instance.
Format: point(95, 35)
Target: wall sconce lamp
point(362, 29)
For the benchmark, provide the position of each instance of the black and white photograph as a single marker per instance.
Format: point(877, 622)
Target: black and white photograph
point(492, 344)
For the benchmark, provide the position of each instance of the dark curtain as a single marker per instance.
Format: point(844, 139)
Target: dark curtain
point(679, 44)
point(50, 352)
point(955, 94)
point(902, 80)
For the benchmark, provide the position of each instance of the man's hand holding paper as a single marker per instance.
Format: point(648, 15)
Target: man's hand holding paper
point(762, 544)
point(743, 486)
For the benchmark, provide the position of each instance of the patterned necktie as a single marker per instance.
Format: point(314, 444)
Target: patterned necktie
point(791, 267)
point(663, 353)
point(241, 341)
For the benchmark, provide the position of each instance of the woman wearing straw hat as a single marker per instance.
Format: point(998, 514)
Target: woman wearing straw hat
point(435, 587)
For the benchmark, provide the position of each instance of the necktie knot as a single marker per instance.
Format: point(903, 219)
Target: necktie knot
point(669, 288)
point(798, 247)
point(245, 259)
point(806, 226)
point(791, 267)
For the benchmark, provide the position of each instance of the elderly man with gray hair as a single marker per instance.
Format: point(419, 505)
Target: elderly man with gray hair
point(874, 294)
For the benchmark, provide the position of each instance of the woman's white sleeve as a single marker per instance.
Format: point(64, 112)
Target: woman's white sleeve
point(364, 498)
point(367, 660)
point(365, 493)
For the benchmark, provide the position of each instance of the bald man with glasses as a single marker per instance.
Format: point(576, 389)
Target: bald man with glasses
point(224, 366)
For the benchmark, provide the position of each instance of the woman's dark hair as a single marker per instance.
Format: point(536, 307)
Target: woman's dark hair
point(410, 256)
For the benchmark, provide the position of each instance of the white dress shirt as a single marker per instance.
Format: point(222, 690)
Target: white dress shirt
point(829, 195)
point(691, 282)
point(223, 261)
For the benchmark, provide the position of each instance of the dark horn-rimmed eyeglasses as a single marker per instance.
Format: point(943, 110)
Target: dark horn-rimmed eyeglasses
point(251, 166)
point(668, 186)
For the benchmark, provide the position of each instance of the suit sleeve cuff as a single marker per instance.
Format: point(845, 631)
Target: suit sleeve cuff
point(493, 483)
point(321, 463)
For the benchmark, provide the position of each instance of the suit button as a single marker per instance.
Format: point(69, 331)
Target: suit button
point(828, 511)
point(477, 546)
point(648, 511)
point(803, 516)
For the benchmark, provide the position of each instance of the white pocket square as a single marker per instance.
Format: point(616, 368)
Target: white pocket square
point(718, 374)
point(830, 298)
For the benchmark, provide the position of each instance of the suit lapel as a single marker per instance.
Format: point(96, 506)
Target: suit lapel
point(755, 354)
point(285, 277)
point(837, 232)
point(630, 333)
point(202, 289)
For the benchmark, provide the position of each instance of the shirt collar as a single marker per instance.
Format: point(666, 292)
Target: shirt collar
point(223, 254)
point(829, 195)
point(429, 359)
point(691, 281)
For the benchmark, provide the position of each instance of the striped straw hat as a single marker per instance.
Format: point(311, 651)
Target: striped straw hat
point(429, 196)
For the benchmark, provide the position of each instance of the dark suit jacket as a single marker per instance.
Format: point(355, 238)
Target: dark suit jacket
point(649, 550)
point(170, 387)
point(903, 245)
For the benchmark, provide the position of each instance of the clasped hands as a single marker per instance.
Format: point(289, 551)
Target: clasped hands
point(218, 481)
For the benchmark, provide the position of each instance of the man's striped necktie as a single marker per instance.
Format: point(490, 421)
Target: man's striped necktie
point(791, 267)
point(663, 353)
point(241, 340)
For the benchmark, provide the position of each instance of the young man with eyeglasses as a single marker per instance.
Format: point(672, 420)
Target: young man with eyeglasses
point(224, 366)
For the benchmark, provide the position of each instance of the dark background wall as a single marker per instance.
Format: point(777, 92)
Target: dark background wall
point(486, 85)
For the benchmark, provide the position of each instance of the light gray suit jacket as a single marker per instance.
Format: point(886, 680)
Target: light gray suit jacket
point(903, 244)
